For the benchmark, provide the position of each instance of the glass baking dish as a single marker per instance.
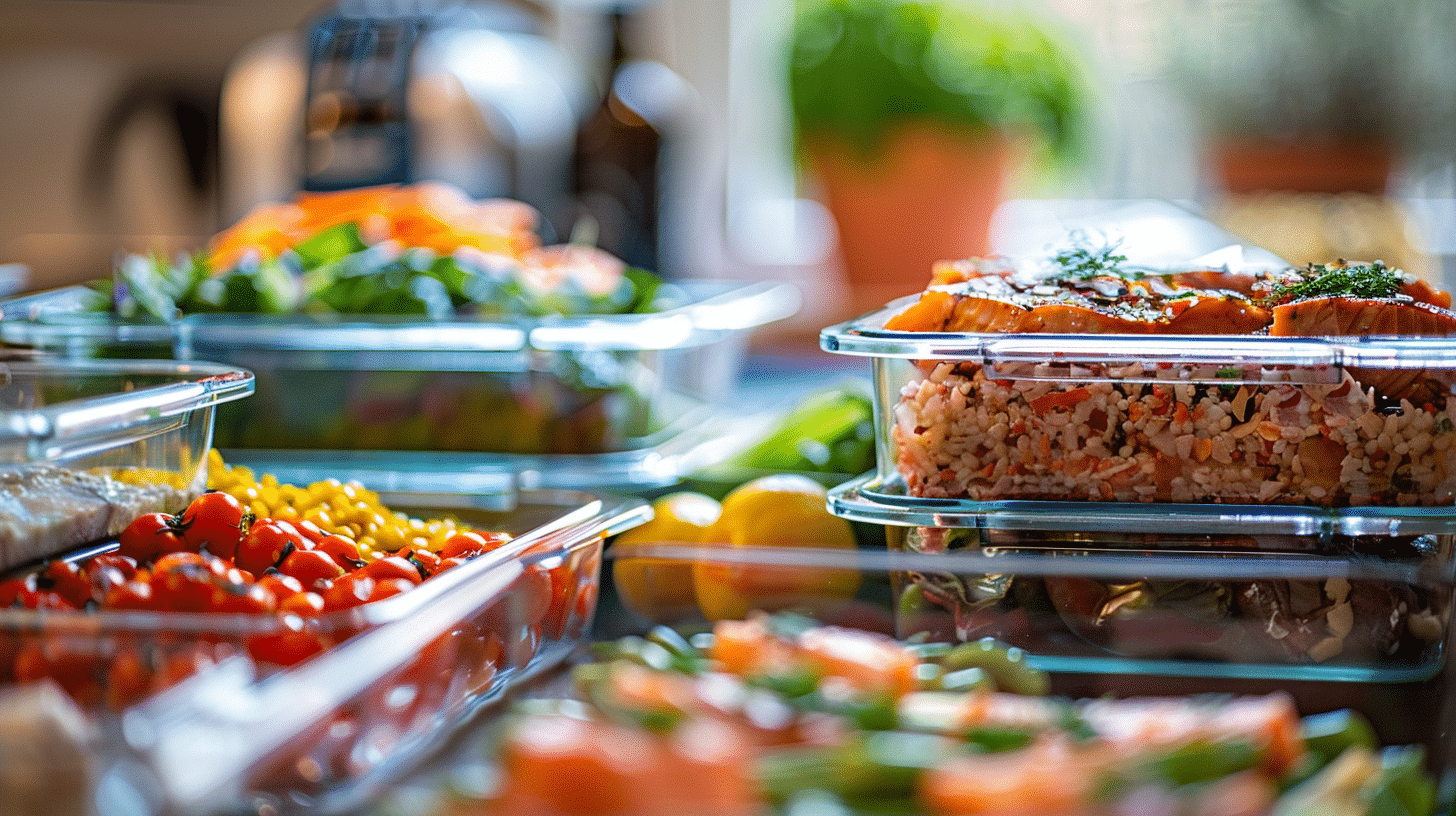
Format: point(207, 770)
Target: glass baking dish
point(1165, 419)
point(196, 713)
point(1162, 642)
point(88, 445)
point(585, 386)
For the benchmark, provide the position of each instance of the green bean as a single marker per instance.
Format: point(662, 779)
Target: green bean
point(1327, 735)
point(966, 679)
point(1006, 665)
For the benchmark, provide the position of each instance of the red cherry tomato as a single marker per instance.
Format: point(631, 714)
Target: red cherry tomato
point(149, 536)
point(447, 563)
point(427, 561)
point(465, 545)
point(13, 592)
point(281, 586)
point(180, 584)
point(128, 679)
point(291, 644)
point(126, 564)
point(309, 566)
point(341, 549)
point(393, 566)
point(388, 587)
point(103, 579)
point(213, 522)
point(303, 604)
point(267, 543)
point(133, 594)
point(247, 599)
point(309, 530)
point(348, 591)
point(66, 579)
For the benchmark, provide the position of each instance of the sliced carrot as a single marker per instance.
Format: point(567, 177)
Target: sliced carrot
point(1053, 400)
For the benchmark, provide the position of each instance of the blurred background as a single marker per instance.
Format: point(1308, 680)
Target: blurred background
point(664, 128)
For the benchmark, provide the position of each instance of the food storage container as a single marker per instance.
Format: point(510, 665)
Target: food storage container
point(616, 389)
point(1233, 419)
point(88, 445)
point(206, 713)
point(1106, 610)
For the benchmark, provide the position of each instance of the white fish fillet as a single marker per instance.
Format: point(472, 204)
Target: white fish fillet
point(46, 510)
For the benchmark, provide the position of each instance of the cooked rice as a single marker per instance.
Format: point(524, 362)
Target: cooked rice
point(961, 435)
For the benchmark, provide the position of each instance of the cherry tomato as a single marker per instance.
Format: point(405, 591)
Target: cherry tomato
point(66, 579)
point(281, 586)
point(447, 563)
point(465, 545)
point(292, 644)
point(182, 558)
point(303, 604)
point(246, 599)
point(341, 549)
point(393, 566)
point(214, 522)
point(387, 587)
point(348, 591)
point(309, 566)
point(185, 587)
point(13, 591)
point(128, 679)
point(149, 536)
point(309, 530)
point(103, 579)
point(133, 594)
point(125, 563)
point(265, 546)
point(427, 561)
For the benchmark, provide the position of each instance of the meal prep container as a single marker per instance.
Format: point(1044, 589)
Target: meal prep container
point(88, 445)
point(1172, 419)
point(1166, 638)
point(395, 679)
point(614, 389)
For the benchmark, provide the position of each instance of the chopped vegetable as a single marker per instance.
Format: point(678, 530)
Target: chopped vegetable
point(422, 249)
point(792, 734)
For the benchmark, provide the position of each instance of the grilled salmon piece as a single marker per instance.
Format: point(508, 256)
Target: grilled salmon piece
point(1337, 316)
point(1345, 317)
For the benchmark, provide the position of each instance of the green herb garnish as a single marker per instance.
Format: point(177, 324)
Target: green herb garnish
point(1374, 280)
point(1228, 372)
point(1083, 262)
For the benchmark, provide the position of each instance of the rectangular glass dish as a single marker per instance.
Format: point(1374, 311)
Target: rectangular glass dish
point(1167, 636)
point(88, 445)
point(582, 386)
point(1163, 418)
point(194, 713)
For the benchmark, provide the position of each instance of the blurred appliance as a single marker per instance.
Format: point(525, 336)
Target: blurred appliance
point(383, 91)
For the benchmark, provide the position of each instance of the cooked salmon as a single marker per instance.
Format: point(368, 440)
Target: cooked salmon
point(1103, 304)
point(1346, 317)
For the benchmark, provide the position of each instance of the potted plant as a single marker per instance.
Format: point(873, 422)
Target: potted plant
point(914, 115)
point(1317, 96)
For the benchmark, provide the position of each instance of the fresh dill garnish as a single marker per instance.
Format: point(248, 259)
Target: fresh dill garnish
point(1373, 280)
point(1082, 261)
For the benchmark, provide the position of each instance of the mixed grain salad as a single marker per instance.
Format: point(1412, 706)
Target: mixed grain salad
point(1125, 430)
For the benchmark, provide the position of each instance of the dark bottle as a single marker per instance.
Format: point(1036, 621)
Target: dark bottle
point(620, 152)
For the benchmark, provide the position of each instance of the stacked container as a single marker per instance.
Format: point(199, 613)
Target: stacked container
point(1155, 515)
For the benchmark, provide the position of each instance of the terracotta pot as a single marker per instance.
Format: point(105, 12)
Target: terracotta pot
point(927, 196)
point(1304, 166)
